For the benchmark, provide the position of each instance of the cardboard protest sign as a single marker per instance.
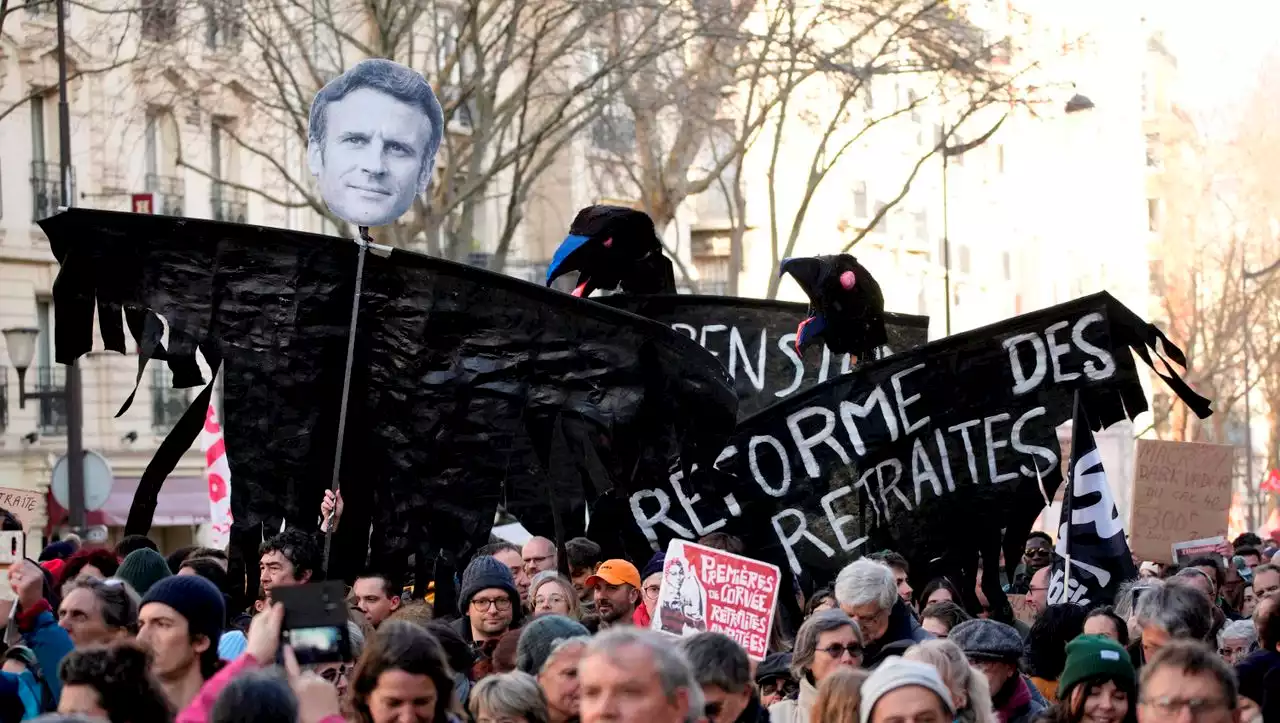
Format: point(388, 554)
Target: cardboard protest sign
point(1184, 552)
point(931, 452)
point(705, 589)
point(372, 138)
point(1181, 491)
point(469, 388)
point(755, 340)
point(26, 505)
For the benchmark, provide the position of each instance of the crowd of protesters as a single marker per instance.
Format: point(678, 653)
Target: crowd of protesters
point(130, 635)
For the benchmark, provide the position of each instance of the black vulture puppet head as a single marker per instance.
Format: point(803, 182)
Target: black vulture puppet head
point(612, 246)
point(846, 308)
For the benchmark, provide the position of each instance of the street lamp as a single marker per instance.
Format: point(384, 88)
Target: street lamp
point(1078, 103)
point(21, 343)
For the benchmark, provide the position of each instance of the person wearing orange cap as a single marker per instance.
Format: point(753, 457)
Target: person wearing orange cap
point(615, 587)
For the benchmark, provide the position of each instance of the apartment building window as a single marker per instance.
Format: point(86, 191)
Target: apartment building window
point(1153, 214)
point(167, 404)
point(615, 130)
point(913, 102)
point(921, 222)
point(1006, 261)
point(223, 23)
point(1000, 158)
point(1153, 150)
point(860, 199)
point(44, 7)
point(455, 65)
point(882, 226)
point(49, 376)
point(163, 180)
point(229, 202)
point(159, 20)
point(964, 259)
point(46, 176)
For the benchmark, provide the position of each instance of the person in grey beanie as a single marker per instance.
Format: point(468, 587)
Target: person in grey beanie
point(902, 689)
point(541, 636)
point(488, 601)
point(995, 648)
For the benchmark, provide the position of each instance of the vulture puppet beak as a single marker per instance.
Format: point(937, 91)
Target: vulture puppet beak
point(561, 263)
point(810, 273)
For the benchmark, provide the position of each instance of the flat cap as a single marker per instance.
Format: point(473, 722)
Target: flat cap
point(987, 640)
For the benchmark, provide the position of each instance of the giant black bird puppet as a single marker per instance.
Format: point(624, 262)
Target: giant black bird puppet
point(612, 247)
point(846, 307)
point(468, 388)
point(618, 248)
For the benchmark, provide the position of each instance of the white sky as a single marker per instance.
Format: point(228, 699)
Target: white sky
point(1220, 47)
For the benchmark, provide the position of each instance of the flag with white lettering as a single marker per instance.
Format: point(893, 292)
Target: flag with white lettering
point(1091, 543)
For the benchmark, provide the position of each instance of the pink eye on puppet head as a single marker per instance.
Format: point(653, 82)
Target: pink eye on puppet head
point(847, 280)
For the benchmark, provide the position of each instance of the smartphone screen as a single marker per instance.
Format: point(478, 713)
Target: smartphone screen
point(315, 622)
point(12, 547)
point(315, 645)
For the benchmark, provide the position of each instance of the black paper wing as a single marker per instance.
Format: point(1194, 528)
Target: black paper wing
point(937, 452)
point(755, 340)
point(469, 388)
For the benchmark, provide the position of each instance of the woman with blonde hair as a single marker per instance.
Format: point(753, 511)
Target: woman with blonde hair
point(970, 693)
point(551, 592)
point(839, 696)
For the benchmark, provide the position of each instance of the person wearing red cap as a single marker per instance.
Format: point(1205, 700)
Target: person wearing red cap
point(615, 588)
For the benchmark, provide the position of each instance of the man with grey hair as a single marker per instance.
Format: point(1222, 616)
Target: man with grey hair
point(630, 675)
point(372, 140)
point(1237, 639)
point(1170, 612)
point(868, 592)
point(1186, 681)
point(723, 671)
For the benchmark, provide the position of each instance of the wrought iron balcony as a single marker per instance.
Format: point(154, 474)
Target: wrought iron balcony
point(46, 189)
point(51, 383)
point(230, 204)
point(170, 194)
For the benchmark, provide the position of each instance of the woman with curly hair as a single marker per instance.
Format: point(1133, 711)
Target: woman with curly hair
point(1098, 684)
point(86, 564)
point(1046, 645)
point(112, 683)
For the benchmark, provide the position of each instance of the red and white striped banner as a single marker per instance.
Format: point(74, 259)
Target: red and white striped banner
point(218, 475)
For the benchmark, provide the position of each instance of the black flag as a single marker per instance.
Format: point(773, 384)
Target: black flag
point(1090, 533)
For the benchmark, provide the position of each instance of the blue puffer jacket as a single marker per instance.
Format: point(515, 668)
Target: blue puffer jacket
point(25, 688)
point(51, 643)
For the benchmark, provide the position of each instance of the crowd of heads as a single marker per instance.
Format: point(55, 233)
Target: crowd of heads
point(558, 634)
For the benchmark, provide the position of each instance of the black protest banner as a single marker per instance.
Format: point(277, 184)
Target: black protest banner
point(932, 452)
point(756, 340)
point(469, 388)
point(1093, 557)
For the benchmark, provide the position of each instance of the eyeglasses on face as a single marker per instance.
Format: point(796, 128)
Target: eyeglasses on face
point(780, 686)
point(501, 603)
point(333, 674)
point(835, 651)
point(652, 591)
point(550, 600)
point(536, 561)
point(1169, 706)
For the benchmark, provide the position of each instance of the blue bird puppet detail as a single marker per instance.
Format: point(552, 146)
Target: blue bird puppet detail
point(613, 247)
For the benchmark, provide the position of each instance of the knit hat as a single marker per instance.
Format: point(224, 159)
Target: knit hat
point(539, 638)
point(483, 573)
point(194, 598)
point(897, 673)
point(775, 665)
point(654, 565)
point(1090, 656)
point(987, 640)
point(143, 568)
point(60, 550)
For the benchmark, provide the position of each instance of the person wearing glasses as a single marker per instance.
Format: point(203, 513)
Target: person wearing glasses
point(826, 642)
point(867, 591)
point(539, 555)
point(489, 603)
point(1037, 554)
point(1187, 681)
point(551, 592)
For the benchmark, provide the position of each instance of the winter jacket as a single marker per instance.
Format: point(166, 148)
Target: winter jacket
point(1259, 676)
point(24, 687)
point(798, 710)
point(754, 712)
point(41, 633)
point(902, 627)
point(198, 710)
point(1018, 701)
